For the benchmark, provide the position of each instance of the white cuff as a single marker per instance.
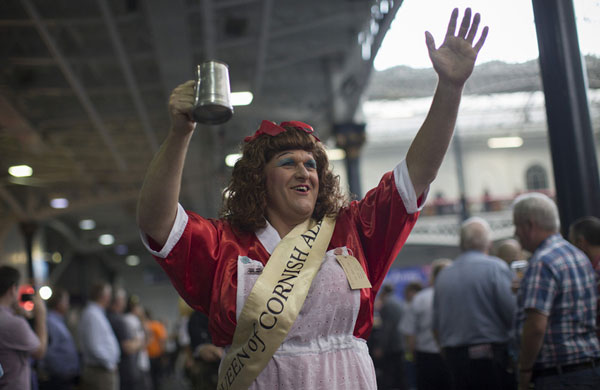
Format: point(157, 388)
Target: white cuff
point(406, 189)
point(181, 221)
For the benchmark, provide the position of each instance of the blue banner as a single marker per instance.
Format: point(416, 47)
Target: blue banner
point(400, 277)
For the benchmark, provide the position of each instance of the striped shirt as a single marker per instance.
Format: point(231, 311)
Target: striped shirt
point(560, 283)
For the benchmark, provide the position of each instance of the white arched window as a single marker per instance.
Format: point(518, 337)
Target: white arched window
point(536, 178)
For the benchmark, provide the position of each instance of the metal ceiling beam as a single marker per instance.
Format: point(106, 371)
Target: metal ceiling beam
point(32, 61)
point(233, 3)
point(49, 22)
point(80, 121)
point(221, 4)
point(263, 40)
point(46, 212)
point(384, 26)
point(33, 92)
point(364, 71)
point(208, 30)
point(125, 64)
point(6, 225)
point(350, 81)
point(79, 245)
point(17, 126)
point(311, 55)
point(56, 272)
point(299, 29)
point(79, 21)
point(75, 84)
point(174, 54)
point(171, 36)
point(78, 60)
point(15, 206)
point(306, 26)
point(236, 43)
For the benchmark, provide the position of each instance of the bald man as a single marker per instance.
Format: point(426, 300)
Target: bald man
point(509, 250)
point(473, 312)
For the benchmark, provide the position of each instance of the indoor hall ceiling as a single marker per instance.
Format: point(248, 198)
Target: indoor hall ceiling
point(84, 86)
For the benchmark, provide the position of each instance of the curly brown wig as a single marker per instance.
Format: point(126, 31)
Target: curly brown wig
point(245, 198)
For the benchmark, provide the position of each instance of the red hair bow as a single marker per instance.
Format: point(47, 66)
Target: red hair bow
point(272, 129)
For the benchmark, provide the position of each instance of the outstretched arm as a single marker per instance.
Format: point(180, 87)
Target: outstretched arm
point(532, 339)
point(453, 61)
point(157, 204)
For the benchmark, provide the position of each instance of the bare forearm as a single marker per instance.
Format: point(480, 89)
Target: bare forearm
point(42, 333)
point(532, 339)
point(131, 346)
point(429, 147)
point(531, 343)
point(157, 205)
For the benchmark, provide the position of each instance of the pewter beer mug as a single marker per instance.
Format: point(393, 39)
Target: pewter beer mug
point(212, 104)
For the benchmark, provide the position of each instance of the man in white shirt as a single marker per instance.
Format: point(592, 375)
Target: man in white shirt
point(98, 343)
point(416, 325)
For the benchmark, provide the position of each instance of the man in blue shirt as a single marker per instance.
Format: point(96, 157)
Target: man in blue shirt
point(59, 369)
point(473, 313)
point(556, 303)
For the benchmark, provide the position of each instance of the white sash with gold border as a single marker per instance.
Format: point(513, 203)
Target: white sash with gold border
point(274, 302)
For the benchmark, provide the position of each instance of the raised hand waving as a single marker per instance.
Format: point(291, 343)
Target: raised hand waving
point(455, 59)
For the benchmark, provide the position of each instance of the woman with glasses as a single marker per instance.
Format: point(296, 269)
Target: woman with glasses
point(289, 273)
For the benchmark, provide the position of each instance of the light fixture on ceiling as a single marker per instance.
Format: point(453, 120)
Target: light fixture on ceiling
point(106, 239)
point(336, 154)
point(121, 249)
point(56, 257)
point(241, 98)
point(59, 203)
point(87, 224)
point(132, 260)
point(45, 292)
point(504, 142)
point(231, 159)
point(225, 193)
point(20, 171)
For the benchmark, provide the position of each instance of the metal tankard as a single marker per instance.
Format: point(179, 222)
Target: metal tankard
point(212, 104)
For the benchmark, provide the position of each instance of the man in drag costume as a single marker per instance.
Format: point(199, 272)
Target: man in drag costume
point(288, 275)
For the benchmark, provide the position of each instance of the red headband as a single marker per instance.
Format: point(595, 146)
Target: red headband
point(272, 129)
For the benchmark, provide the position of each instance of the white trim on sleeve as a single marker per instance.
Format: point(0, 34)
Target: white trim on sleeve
point(181, 221)
point(406, 189)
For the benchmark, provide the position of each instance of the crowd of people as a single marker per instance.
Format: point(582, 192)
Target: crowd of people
point(487, 322)
point(476, 325)
point(112, 343)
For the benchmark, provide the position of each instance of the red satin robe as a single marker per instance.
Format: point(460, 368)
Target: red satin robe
point(202, 264)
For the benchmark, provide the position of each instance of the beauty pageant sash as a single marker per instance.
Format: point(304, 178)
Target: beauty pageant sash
point(274, 302)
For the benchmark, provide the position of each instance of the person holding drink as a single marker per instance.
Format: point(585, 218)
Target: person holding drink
point(288, 275)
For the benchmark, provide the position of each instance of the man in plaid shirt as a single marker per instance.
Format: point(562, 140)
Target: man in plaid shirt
point(556, 303)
